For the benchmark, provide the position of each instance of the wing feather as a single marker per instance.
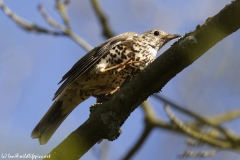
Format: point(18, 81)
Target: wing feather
point(91, 58)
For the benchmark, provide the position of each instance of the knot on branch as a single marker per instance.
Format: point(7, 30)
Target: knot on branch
point(187, 41)
point(93, 108)
point(110, 120)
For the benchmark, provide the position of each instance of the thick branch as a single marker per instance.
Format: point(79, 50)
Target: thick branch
point(105, 121)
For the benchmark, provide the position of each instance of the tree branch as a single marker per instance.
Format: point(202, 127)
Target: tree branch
point(199, 135)
point(106, 119)
point(48, 19)
point(203, 120)
point(64, 30)
point(149, 115)
point(201, 154)
point(152, 122)
point(62, 8)
point(106, 30)
point(26, 25)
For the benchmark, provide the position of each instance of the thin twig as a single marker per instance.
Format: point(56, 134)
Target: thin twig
point(49, 20)
point(104, 150)
point(207, 153)
point(80, 41)
point(225, 117)
point(198, 135)
point(24, 24)
point(107, 32)
point(152, 121)
point(214, 124)
point(28, 26)
point(147, 130)
point(61, 7)
point(66, 2)
point(63, 12)
point(65, 30)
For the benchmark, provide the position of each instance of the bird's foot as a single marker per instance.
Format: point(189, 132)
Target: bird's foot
point(119, 67)
point(113, 91)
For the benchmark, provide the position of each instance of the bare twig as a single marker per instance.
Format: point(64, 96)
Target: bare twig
point(152, 122)
point(214, 124)
point(61, 7)
point(198, 135)
point(107, 32)
point(49, 20)
point(194, 142)
point(24, 24)
point(64, 31)
point(225, 117)
point(104, 150)
point(147, 130)
point(67, 30)
point(201, 154)
point(80, 41)
point(66, 2)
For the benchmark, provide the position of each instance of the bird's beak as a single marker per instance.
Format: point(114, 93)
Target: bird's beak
point(171, 36)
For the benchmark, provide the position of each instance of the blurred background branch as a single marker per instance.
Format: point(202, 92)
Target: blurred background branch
point(24, 24)
point(214, 137)
point(66, 31)
point(106, 29)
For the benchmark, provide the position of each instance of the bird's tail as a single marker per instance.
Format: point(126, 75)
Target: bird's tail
point(56, 114)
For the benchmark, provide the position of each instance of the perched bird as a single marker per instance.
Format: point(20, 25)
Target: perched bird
point(101, 71)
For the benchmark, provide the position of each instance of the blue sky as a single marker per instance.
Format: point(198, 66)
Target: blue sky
point(32, 64)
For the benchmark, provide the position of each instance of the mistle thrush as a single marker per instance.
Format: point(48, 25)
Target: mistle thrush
point(100, 71)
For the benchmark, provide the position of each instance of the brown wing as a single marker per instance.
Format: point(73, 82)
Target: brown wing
point(91, 58)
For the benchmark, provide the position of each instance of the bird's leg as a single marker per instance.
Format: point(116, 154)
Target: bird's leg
point(128, 62)
point(101, 70)
point(119, 66)
point(123, 65)
point(114, 91)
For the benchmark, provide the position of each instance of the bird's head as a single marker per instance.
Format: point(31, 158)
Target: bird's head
point(157, 38)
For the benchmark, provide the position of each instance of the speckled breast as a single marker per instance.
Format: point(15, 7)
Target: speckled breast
point(120, 53)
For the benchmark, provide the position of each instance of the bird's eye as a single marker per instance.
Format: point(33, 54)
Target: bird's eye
point(156, 33)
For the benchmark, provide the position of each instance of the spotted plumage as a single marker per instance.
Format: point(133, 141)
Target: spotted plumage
point(100, 71)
